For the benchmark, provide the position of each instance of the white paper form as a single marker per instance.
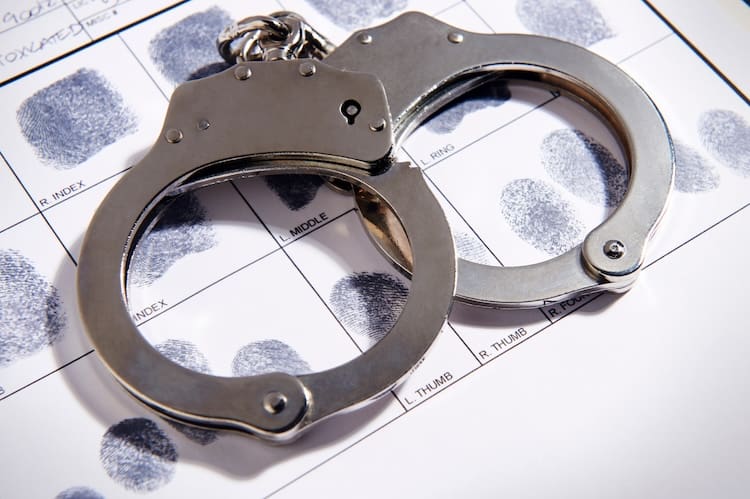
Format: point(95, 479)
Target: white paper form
point(642, 395)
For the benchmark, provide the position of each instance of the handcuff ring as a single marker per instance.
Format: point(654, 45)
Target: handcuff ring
point(277, 406)
point(450, 62)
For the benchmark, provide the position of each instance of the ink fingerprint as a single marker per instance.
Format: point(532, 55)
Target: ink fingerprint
point(576, 21)
point(69, 121)
point(31, 313)
point(187, 355)
point(449, 117)
point(540, 216)
point(187, 50)
point(693, 172)
point(183, 229)
point(138, 455)
point(726, 135)
point(79, 493)
point(472, 249)
point(584, 167)
point(368, 304)
point(268, 356)
point(357, 13)
point(295, 191)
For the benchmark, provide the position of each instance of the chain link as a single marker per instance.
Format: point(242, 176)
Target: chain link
point(280, 36)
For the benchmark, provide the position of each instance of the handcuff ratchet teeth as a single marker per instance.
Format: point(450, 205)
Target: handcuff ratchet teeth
point(289, 116)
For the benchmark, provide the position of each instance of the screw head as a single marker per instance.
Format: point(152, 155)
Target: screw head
point(378, 125)
point(173, 135)
point(614, 249)
point(274, 402)
point(307, 68)
point(203, 124)
point(242, 72)
point(365, 38)
point(455, 37)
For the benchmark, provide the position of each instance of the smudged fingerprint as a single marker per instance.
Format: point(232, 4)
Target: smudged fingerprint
point(79, 493)
point(183, 229)
point(295, 191)
point(187, 49)
point(539, 215)
point(449, 117)
point(472, 249)
point(138, 455)
point(584, 167)
point(74, 118)
point(726, 135)
point(576, 21)
point(187, 355)
point(31, 313)
point(268, 356)
point(693, 172)
point(357, 13)
point(368, 303)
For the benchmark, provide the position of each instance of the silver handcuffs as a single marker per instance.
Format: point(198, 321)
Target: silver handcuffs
point(283, 109)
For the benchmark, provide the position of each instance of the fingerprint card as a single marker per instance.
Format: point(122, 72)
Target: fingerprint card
point(277, 273)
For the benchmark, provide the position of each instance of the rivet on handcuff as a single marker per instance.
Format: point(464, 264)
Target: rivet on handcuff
point(295, 104)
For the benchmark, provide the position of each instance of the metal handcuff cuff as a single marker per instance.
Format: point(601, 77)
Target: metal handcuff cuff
point(343, 117)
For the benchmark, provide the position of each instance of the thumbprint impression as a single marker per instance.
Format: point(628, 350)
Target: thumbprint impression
point(31, 313)
point(187, 50)
point(138, 455)
point(368, 304)
point(576, 21)
point(69, 121)
point(539, 215)
point(584, 167)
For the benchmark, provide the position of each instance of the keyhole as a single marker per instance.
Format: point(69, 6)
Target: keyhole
point(350, 109)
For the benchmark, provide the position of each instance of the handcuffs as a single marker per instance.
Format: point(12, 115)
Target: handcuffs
point(294, 104)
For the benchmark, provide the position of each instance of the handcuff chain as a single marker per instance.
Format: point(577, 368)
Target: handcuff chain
point(281, 35)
